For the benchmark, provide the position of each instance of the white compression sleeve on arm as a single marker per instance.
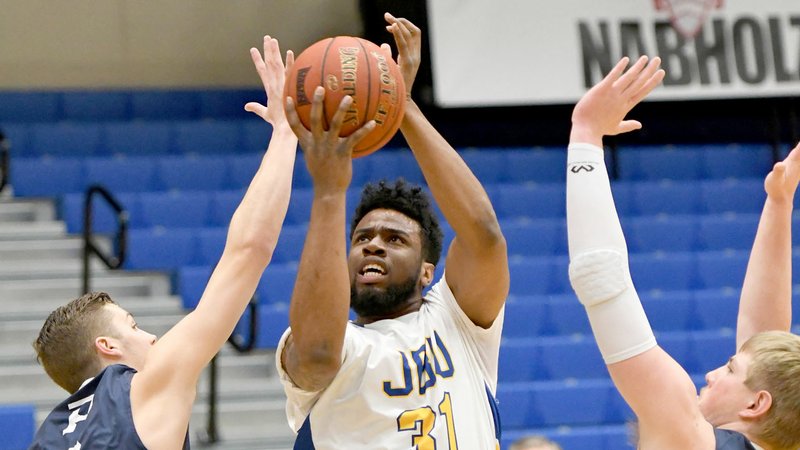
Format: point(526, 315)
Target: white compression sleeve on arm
point(598, 269)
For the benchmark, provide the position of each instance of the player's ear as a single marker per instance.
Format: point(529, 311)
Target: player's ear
point(426, 273)
point(107, 347)
point(759, 406)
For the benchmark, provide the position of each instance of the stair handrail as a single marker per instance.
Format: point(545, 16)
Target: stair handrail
point(211, 435)
point(5, 161)
point(112, 261)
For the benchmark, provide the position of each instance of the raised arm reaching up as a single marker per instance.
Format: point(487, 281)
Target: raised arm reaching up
point(766, 299)
point(658, 390)
point(477, 261)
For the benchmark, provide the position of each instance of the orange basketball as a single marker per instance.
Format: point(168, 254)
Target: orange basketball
point(347, 65)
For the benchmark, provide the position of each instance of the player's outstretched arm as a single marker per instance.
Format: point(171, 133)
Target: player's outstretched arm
point(658, 390)
point(477, 261)
point(320, 303)
point(766, 299)
point(162, 393)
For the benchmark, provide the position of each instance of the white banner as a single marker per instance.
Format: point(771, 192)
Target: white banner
point(522, 52)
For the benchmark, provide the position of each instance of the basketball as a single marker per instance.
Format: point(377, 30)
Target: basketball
point(347, 65)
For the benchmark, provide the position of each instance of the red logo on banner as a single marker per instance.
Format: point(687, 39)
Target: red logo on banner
point(688, 16)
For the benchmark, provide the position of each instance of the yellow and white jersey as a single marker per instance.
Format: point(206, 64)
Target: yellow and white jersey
point(423, 381)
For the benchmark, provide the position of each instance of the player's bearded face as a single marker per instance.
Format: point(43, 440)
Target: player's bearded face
point(369, 301)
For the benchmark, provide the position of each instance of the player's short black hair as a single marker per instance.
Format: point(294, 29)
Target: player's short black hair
point(409, 199)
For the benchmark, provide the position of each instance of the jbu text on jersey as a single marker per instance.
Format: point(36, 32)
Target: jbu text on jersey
point(431, 361)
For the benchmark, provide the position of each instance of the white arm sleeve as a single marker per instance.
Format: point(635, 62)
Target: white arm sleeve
point(599, 271)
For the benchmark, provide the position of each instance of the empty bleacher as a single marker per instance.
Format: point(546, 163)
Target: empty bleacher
point(180, 167)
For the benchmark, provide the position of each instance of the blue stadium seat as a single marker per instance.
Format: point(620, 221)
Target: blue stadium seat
point(192, 173)
point(670, 310)
point(46, 177)
point(277, 284)
point(192, 282)
point(717, 308)
point(17, 425)
point(530, 276)
point(559, 284)
point(723, 269)
point(739, 196)
point(96, 105)
point(228, 103)
point(299, 211)
point(727, 231)
point(488, 164)
point(211, 242)
point(519, 361)
point(223, 205)
point(122, 174)
point(573, 357)
point(65, 139)
point(138, 138)
point(665, 197)
point(212, 137)
point(711, 349)
point(17, 137)
point(242, 168)
point(661, 233)
point(678, 345)
point(290, 244)
point(161, 249)
point(175, 209)
point(540, 165)
point(391, 164)
point(256, 135)
point(623, 197)
point(566, 316)
point(30, 106)
point(272, 322)
point(104, 218)
point(533, 201)
point(165, 105)
point(663, 271)
point(516, 405)
point(736, 161)
point(659, 162)
point(572, 402)
point(362, 171)
point(524, 318)
point(541, 237)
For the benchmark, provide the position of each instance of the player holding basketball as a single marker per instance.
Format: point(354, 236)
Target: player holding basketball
point(752, 400)
point(411, 372)
point(129, 390)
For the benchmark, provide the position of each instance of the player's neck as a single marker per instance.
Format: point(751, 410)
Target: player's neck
point(413, 305)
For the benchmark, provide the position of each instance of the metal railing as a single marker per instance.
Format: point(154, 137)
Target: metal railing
point(241, 345)
point(5, 161)
point(120, 243)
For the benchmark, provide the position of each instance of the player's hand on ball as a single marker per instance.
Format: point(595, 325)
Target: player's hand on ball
point(328, 156)
point(408, 38)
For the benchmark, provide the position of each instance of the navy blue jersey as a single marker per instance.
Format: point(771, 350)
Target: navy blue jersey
point(731, 440)
point(97, 416)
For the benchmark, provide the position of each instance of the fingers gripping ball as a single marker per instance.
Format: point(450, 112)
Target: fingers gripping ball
point(347, 65)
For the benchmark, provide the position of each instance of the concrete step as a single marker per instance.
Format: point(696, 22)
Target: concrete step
point(118, 284)
point(26, 210)
point(67, 247)
point(31, 230)
point(28, 383)
point(12, 309)
point(22, 333)
point(26, 269)
point(253, 419)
